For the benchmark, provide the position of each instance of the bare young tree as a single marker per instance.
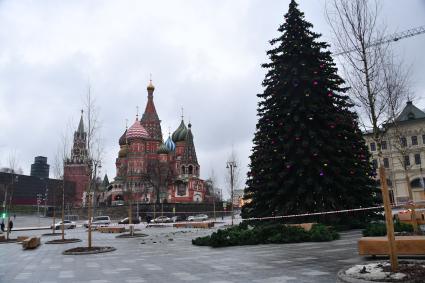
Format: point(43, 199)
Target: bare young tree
point(62, 154)
point(94, 152)
point(13, 165)
point(359, 39)
point(397, 88)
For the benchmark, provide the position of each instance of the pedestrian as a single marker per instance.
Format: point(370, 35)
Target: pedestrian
point(10, 226)
point(2, 226)
point(14, 216)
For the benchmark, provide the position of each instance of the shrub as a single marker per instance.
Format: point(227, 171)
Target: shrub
point(380, 229)
point(322, 233)
point(265, 234)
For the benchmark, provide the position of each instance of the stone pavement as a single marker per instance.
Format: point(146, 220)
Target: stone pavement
point(161, 259)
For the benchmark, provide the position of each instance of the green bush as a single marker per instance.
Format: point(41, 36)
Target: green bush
point(266, 234)
point(379, 229)
point(322, 233)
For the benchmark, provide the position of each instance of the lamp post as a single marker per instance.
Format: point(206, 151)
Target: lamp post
point(231, 165)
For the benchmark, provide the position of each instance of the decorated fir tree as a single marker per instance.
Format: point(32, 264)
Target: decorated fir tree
point(309, 154)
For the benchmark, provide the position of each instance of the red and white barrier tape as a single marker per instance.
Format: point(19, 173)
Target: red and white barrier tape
point(314, 213)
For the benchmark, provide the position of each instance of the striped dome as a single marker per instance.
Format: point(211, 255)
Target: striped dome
point(163, 149)
point(180, 133)
point(137, 131)
point(170, 144)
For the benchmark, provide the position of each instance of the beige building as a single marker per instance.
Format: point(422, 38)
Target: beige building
point(403, 149)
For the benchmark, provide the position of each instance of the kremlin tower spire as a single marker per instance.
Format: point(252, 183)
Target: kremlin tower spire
point(150, 120)
point(76, 168)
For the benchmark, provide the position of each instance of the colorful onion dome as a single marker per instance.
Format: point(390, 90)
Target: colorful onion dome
point(163, 149)
point(137, 131)
point(122, 140)
point(123, 151)
point(180, 133)
point(150, 86)
point(170, 144)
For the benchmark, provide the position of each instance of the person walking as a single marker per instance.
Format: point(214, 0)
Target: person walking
point(10, 226)
point(2, 226)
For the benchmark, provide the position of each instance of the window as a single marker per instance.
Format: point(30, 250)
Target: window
point(414, 140)
point(384, 145)
point(423, 139)
point(417, 158)
point(403, 141)
point(375, 163)
point(406, 160)
point(372, 146)
point(181, 189)
point(386, 163)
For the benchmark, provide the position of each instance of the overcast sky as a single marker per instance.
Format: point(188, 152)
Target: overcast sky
point(204, 56)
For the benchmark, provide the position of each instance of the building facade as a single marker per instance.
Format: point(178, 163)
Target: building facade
point(150, 170)
point(403, 149)
point(25, 190)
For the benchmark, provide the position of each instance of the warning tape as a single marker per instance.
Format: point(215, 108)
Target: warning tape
point(314, 213)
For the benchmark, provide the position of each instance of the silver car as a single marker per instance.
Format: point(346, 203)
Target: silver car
point(66, 223)
point(198, 217)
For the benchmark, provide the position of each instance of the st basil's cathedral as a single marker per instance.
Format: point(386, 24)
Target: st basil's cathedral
point(147, 168)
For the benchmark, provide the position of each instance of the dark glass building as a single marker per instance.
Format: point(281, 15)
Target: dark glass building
point(40, 168)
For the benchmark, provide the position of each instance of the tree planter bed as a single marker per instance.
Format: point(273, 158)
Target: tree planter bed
point(65, 241)
point(86, 250)
point(135, 235)
point(204, 225)
point(52, 234)
point(405, 245)
point(410, 271)
point(111, 229)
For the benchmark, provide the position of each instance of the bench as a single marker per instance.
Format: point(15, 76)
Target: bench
point(204, 225)
point(31, 243)
point(2, 238)
point(21, 238)
point(306, 226)
point(406, 217)
point(111, 229)
point(405, 245)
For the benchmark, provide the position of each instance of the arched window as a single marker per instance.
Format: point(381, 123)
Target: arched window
point(182, 170)
point(181, 189)
point(416, 183)
point(190, 169)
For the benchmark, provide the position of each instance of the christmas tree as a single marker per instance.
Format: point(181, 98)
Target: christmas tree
point(309, 154)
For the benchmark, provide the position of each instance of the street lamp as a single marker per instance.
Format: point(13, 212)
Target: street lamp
point(231, 165)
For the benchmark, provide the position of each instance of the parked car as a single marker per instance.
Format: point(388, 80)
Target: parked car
point(198, 217)
point(98, 221)
point(66, 223)
point(177, 218)
point(134, 220)
point(162, 219)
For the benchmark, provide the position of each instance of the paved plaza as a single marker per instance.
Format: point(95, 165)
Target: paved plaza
point(167, 255)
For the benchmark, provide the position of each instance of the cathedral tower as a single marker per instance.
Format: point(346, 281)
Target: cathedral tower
point(76, 168)
point(150, 120)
